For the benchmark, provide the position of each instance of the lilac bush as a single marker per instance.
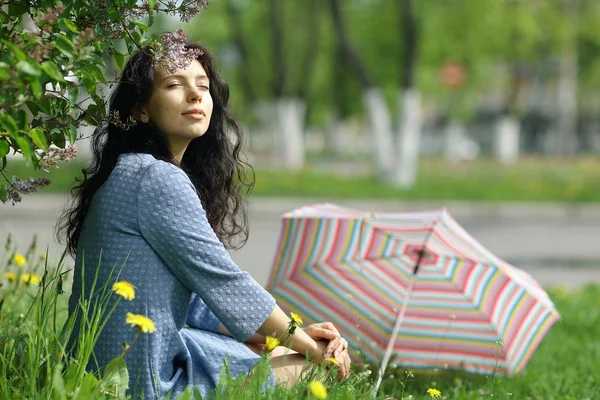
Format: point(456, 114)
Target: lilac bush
point(50, 52)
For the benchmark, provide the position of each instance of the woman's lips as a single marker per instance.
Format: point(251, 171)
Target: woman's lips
point(195, 115)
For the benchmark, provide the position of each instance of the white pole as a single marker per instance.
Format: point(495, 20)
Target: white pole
point(390, 346)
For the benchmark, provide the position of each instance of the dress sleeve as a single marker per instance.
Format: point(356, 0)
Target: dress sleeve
point(173, 222)
point(200, 316)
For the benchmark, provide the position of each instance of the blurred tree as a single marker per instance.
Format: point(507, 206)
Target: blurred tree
point(409, 110)
point(378, 115)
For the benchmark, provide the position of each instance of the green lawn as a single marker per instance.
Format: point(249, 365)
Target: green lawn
point(563, 367)
point(529, 180)
point(31, 351)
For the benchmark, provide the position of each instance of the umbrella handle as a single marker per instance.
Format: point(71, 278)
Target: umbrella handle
point(390, 346)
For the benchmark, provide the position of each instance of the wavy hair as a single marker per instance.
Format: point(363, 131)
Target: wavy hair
point(214, 162)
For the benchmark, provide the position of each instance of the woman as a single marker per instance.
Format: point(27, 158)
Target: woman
point(164, 192)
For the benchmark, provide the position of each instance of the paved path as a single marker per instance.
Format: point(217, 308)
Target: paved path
point(557, 244)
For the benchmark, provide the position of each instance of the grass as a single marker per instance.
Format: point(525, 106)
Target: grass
point(32, 344)
point(533, 179)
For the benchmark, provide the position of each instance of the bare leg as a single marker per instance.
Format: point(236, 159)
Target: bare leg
point(287, 366)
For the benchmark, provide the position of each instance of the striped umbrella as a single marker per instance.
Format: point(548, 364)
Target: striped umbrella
point(418, 276)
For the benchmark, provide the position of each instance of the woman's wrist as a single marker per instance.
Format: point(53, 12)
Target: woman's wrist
point(303, 344)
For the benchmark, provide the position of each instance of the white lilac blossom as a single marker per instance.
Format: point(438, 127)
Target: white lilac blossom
point(55, 154)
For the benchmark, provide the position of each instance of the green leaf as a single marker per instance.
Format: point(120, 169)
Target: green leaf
point(33, 107)
point(58, 384)
point(25, 146)
point(21, 119)
point(38, 138)
point(64, 45)
point(16, 9)
point(37, 89)
point(118, 378)
point(187, 394)
point(88, 386)
point(151, 19)
point(57, 136)
point(44, 105)
point(19, 55)
point(96, 73)
point(3, 194)
point(73, 95)
point(4, 147)
point(66, 24)
point(119, 59)
point(53, 71)
point(143, 27)
point(88, 82)
point(8, 124)
point(72, 134)
point(4, 71)
point(91, 115)
point(28, 68)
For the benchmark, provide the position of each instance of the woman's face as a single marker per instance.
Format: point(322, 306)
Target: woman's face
point(180, 105)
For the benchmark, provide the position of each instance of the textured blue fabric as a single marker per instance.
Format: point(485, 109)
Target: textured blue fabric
point(148, 218)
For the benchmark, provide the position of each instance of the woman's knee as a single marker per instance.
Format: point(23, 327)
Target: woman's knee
point(288, 368)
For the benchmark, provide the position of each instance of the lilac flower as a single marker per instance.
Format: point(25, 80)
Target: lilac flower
point(115, 118)
point(20, 186)
point(50, 16)
point(190, 9)
point(55, 154)
point(171, 53)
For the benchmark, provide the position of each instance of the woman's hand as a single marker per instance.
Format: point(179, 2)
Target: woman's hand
point(337, 348)
point(327, 331)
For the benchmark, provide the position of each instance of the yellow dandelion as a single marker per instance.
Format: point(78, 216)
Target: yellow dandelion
point(43, 256)
point(20, 260)
point(434, 392)
point(296, 318)
point(124, 289)
point(333, 361)
point(318, 389)
point(11, 276)
point(143, 323)
point(271, 342)
point(33, 279)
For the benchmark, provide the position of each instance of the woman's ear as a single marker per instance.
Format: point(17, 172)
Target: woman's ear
point(141, 114)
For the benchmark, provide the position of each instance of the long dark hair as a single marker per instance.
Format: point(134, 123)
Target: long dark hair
point(214, 162)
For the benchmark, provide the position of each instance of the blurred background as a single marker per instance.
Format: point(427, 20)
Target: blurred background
point(457, 79)
point(487, 107)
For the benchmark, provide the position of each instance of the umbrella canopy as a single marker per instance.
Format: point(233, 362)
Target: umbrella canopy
point(466, 307)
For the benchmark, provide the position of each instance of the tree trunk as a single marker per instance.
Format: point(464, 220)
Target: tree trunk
point(238, 39)
point(290, 116)
point(507, 139)
point(405, 173)
point(378, 113)
point(566, 134)
point(381, 127)
point(409, 110)
point(455, 137)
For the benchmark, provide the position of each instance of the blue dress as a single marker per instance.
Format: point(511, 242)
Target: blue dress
point(148, 217)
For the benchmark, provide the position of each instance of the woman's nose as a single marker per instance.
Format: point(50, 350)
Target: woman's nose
point(195, 95)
